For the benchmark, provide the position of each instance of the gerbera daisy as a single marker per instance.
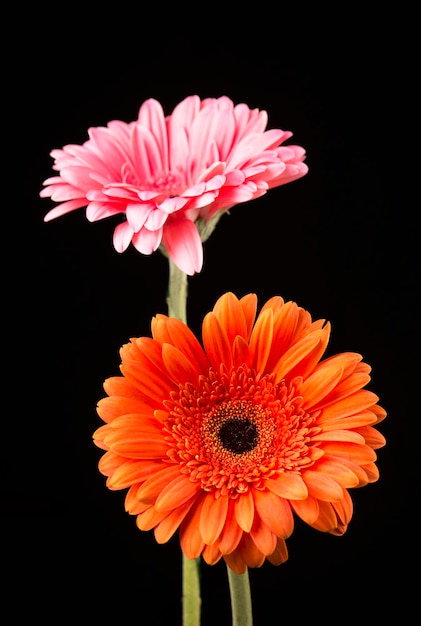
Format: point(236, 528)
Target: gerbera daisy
point(228, 441)
point(171, 178)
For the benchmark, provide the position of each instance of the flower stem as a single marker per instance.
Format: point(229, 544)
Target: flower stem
point(239, 585)
point(177, 293)
point(191, 592)
point(177, 307)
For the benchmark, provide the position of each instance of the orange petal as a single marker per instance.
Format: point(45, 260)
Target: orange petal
point(240, 352)
point(339, 435)
point(357, 402)
point(355, 452)
point(372, 437)
point(347, 421)
point(212, 518)
point(136, 423)
point(336, 470)
point(321, 486)
point(379, 412)
point(191, 540)
point(132, 505)
point(178, 365)
point(304, 324)
point(274, 512)
point(119, 386)
point(263, 537)
point(295, 354)
point(143, 347)
point(320, 383)
point(98, 437)
point(275, 303)
point(108, 463)
point(261, 340)
point(372, 472)
point(285, 320)
point(159, 328)
point(150, 381)
point(307, 364)
point(250, 553)
point(345, 388)
point(307, 510)
point(344, 509)
point(244, 510)
point(349, 361)
point(132, 472)
point(249, 306)
point(215, 341)
point(165, 529)
point(231, 533)
point(181, 337)
point(155, 484)
point(358, 470)
point(236, 562)
point(149, 518)
point(231, 315)
point(110, 408)
point(280, 554)
point(176, 492)
point(287, 485)
point(326, 520)
point(131, 445)
point(211, 554)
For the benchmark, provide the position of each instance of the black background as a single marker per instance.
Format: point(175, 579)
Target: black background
point(340, 242)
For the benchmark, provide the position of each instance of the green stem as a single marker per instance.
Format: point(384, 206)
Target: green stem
point(239, 585)
point(191, 592)
point(177, 293)
point(177, 307)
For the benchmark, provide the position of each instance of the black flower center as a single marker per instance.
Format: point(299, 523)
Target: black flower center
point(238, 435)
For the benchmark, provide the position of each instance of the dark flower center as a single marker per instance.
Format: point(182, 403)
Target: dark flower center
point(238, 435)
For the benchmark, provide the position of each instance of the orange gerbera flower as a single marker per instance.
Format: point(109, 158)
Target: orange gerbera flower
point(227, 442)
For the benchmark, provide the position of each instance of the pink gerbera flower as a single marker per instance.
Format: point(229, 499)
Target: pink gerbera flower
point(172, 177)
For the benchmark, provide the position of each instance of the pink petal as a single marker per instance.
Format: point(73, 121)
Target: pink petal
point(183, 244)
point(122, 236)
point(64, 208)
point(172, 205)
point(156, 219)
point(215, 183)
point(147, 241)
point(78, 177)
point(215, 169)
point(234, 178)
point(202, 201)
point(137, 214)
point(151, 115)
point(109, 148)
point(146, 155)
point(100, 210)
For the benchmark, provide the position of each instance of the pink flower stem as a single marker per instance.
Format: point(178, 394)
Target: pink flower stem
point(191, 598)
point(177, 293)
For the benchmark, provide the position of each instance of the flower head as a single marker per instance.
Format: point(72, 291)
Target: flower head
point(226, 442)
point(170, 178)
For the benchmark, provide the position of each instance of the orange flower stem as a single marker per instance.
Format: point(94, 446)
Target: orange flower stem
point(191, 598)
point(239, 585)
point(191, 592)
